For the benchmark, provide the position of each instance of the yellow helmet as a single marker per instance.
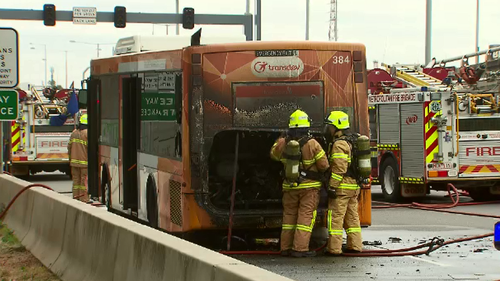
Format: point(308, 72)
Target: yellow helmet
point(299, 119)
point(339, 119)
point(83, 119)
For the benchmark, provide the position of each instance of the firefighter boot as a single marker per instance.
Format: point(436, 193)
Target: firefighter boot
point(306, 254)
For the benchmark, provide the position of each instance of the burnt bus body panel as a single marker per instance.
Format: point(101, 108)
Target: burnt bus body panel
point(218, 108)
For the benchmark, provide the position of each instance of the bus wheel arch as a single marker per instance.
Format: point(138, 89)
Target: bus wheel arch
point(389, 178)
point(152, 201)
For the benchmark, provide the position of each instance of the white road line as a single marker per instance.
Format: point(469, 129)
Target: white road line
point(432, 262)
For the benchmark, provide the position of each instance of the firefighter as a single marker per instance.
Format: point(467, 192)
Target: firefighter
point(305, 163)
point(343, 190)
point(77, 151)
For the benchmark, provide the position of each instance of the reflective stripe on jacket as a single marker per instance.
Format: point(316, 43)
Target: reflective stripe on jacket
point(313, 159)
point(340, 159)
point(77, 148)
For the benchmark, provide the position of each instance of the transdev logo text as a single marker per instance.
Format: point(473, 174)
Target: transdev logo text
point(277, 66)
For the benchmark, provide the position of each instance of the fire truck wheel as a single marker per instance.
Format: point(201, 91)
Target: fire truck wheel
point(482, 194)
point(152, 202)
point(391, 187)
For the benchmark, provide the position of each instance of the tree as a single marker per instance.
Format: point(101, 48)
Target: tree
point(53, 85)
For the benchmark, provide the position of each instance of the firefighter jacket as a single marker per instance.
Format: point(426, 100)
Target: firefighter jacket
point(339, 156)
point(313, 159)
point(77, 148)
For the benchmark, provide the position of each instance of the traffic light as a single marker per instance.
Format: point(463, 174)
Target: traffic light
point(188, 18)
point(49, 14)
point(120, 17)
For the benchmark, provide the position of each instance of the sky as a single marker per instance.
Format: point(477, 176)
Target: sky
point(392, 30)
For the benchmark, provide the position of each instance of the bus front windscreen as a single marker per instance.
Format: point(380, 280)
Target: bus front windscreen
point(269, 104)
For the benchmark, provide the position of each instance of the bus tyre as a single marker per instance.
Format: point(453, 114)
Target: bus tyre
point(152, 202)
point(391, 188)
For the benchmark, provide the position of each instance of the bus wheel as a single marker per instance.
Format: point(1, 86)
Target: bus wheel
point(152, 202)
point(391, 187)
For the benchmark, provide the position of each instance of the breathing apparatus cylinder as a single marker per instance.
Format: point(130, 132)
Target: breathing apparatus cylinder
point(364, 156)
point(292, 156)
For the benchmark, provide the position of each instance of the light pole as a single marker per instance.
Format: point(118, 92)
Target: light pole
point(88, 43)
point(477, 31)
point(177, 11)
point(45, 58)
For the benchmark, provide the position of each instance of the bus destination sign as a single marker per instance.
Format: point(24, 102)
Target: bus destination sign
point(276, 53)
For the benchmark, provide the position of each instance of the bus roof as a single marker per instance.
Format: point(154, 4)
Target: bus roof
point(174, 57)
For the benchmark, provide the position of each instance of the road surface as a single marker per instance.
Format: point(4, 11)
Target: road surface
point(395, 228)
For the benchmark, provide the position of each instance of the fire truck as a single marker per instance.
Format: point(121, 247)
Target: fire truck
point(35, 144)
point(427, 132)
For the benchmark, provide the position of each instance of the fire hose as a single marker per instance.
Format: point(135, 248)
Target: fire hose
point(431, 246)
point(2, 215)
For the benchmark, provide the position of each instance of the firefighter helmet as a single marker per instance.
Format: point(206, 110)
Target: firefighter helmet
point(83, 119)
point(299, 119)
point(339, 119)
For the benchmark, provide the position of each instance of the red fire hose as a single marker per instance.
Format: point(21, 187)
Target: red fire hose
point(433, 245)
point(2, 215)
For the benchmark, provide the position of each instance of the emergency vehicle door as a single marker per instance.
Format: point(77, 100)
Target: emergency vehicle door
point(131, 95)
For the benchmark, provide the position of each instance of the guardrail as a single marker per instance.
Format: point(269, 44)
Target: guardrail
point(77, 241)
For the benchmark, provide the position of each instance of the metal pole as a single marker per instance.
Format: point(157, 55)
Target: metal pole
point(45, 54)
point(66, 57)
point(258, 18)
point(177, 11)
point(470, 55)
point(307, 19)
point(97, 49)
point(336, 22)
point(86, 69)
point(428, 23)
point(248, 7)
point(476, 46)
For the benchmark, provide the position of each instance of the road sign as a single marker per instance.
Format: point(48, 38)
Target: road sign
point(82, 15)
point(84, 21)
point(9, 100)
point(9, 58)
point(80, 12)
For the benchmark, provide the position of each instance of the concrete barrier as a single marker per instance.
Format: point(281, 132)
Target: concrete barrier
point(80, 242)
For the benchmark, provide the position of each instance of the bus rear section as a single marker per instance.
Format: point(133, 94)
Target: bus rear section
point(242, 98)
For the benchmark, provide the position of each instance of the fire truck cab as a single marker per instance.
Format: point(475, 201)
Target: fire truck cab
point(428, 137)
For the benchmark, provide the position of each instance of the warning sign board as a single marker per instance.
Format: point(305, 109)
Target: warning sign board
point(9, 58)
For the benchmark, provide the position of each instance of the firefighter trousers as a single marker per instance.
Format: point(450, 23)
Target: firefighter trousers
point(299, 215)
point(343, 214)
point(79, 176)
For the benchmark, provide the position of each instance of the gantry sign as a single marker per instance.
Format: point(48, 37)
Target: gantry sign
point(120, 17)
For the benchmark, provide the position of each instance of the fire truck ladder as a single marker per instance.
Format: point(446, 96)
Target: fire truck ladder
point(412, 76)
point(479, 103)
point(45, 105)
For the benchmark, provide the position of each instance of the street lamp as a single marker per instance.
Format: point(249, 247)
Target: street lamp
point(45, 58)
point(88, 43)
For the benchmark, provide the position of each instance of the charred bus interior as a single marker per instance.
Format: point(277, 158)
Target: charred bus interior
point(258, 177)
